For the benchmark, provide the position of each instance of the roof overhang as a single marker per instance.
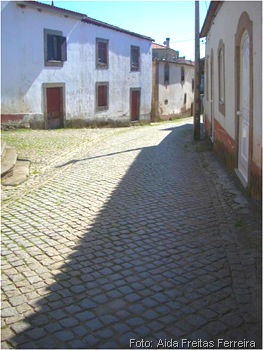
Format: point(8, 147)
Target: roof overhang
point(80, 16)
point(211, 14)
point(50, 8)
point(180, 62)
point(95, 22)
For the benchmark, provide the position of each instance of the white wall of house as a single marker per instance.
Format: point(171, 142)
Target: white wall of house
point(24, 72)
point(171, 96)
point(229, 15)
point(237, 136)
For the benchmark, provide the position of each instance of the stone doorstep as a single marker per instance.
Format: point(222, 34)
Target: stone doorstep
point(19, 175)
point(8, 160)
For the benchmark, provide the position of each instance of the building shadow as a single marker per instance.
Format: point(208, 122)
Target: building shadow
point(147, 268)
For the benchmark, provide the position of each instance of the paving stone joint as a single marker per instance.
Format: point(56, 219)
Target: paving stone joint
point(124, 235)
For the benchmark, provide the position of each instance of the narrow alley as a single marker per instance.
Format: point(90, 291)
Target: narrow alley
point(142, 240)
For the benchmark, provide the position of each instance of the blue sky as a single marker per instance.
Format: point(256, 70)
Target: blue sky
point(156, 19)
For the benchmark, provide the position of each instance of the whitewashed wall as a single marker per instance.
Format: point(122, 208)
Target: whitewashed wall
point(225, 27)
point(175, 90)
point(23, 70)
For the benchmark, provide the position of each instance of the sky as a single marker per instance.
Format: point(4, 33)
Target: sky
point(156, 19)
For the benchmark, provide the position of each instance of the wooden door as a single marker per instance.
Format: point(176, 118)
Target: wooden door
point(244, 107)
point(54, 98)
point(135, 104)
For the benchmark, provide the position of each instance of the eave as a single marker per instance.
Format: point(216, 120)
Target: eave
point(53, 9)
point(178, 61)
point(211, 14)
point(95, 22)
point(84, 18)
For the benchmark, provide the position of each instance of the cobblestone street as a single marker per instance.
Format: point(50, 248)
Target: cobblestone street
point(136, 239)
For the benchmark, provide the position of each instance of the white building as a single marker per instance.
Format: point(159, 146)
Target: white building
point(173, 84)
point(61, 68)
point(233, 87)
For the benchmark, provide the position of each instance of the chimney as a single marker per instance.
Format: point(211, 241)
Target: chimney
point(167, 42)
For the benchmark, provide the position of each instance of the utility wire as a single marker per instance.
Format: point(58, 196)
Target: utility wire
point(181, 41)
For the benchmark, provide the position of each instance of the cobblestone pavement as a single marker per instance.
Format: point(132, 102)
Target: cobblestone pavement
point(47, 149)
point(140, 239)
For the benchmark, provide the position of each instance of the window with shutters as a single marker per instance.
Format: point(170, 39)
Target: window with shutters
point(102, 96)
point(102, 48)
point(135, 58)
point(55, 48)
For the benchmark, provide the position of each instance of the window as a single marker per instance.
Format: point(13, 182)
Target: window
point(102, 48)
point(207, 77)
point(135, 58)
point(193, 84)
point(185, 99)
point(212, 76)
point(166, 74)
point(221, 77)
point(182, 74)
point(55, 48)
point(102, 91)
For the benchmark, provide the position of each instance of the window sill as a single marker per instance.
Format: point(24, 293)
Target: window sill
point(102, 66)
point(54, 63)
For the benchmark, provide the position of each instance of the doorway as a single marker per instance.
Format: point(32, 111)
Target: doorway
point(135, 104)
point(54, 106)
point(244, 107)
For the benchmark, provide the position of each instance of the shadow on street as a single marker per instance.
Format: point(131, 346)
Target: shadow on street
point(153, 265)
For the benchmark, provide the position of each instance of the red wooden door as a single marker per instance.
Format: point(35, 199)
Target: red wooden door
point(54, 107)
point(135, 105)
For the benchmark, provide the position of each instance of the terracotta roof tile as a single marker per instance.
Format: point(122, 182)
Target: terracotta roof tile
point(158, 46)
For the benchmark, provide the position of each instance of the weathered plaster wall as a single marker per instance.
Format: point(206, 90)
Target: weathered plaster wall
point(171, 96)
point(24, 72)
